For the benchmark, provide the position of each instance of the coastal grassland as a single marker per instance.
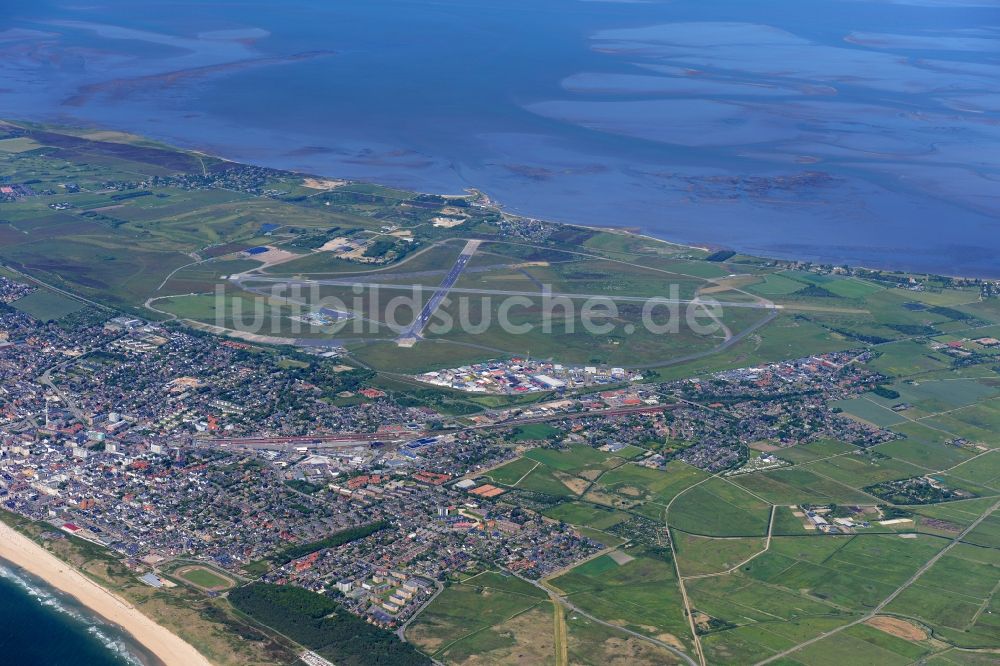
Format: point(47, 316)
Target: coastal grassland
point(527, 637)
point(699, 555)
point(628, 343)
point(868, 411)
point(436, 258)
point(45, 305)
point(956, 657)
point(986, 534)
point(924, 447)
point(594, 644)
point(471, 614)
point(866, 644)
point(204, 276)
point(20, 144)
point(118, 271)
point(385, 354)
point(750, 643)
point(940, 392)
point(863, 469)
point(907, 358)
point(641, 595)
point(956, 514)
point(957, 597)
point(586, 515)
point(803, 586)
point(206, 623)
point(848, 572)
point(643, 490)
point(978, 423)
point(815, 450)
point(787, 336)
point(581, 275)
point(776, 284)
point(984, 469)
point(563, 473)
point(719, 508)
point(800, 485)
point(118, 245)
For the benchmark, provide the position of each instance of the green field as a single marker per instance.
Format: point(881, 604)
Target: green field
point(698, 555)
point(46, 305)
point(956, 596)
point(641, 594)
point(719, 508)
point(586, 515)
point(204, 578)
point(801, 485)
point(643, 490)
point(485, 614)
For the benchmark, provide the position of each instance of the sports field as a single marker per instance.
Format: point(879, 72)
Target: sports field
point(204, 578)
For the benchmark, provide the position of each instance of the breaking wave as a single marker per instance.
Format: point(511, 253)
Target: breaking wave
point(49, 600)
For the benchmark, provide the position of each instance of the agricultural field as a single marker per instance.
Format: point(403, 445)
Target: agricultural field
point(956, 596)
point(801, 485)
point(699, 555)
point(46, 305)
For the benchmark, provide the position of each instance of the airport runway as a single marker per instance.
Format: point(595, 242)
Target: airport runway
point(412, 333)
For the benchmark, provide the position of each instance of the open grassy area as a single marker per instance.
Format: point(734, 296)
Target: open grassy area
point(594, 644)
point(699, 555)
point(641, 594)
point(956, 596)
point(643, 490)
point(46, 305)
point(485, 614)
point(800, 485)
point(719, 508)
point(586, 515)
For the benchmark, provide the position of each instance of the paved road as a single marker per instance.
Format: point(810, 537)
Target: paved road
point(450, 280)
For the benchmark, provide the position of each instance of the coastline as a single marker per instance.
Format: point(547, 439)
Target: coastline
point(627, 231)
point(193, 148)
point(170, 649)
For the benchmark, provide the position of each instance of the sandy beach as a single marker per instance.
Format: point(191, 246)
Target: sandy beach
point(22, 551)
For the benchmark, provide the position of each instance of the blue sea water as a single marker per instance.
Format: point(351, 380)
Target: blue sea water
point(42, 627)
point(860, 131)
